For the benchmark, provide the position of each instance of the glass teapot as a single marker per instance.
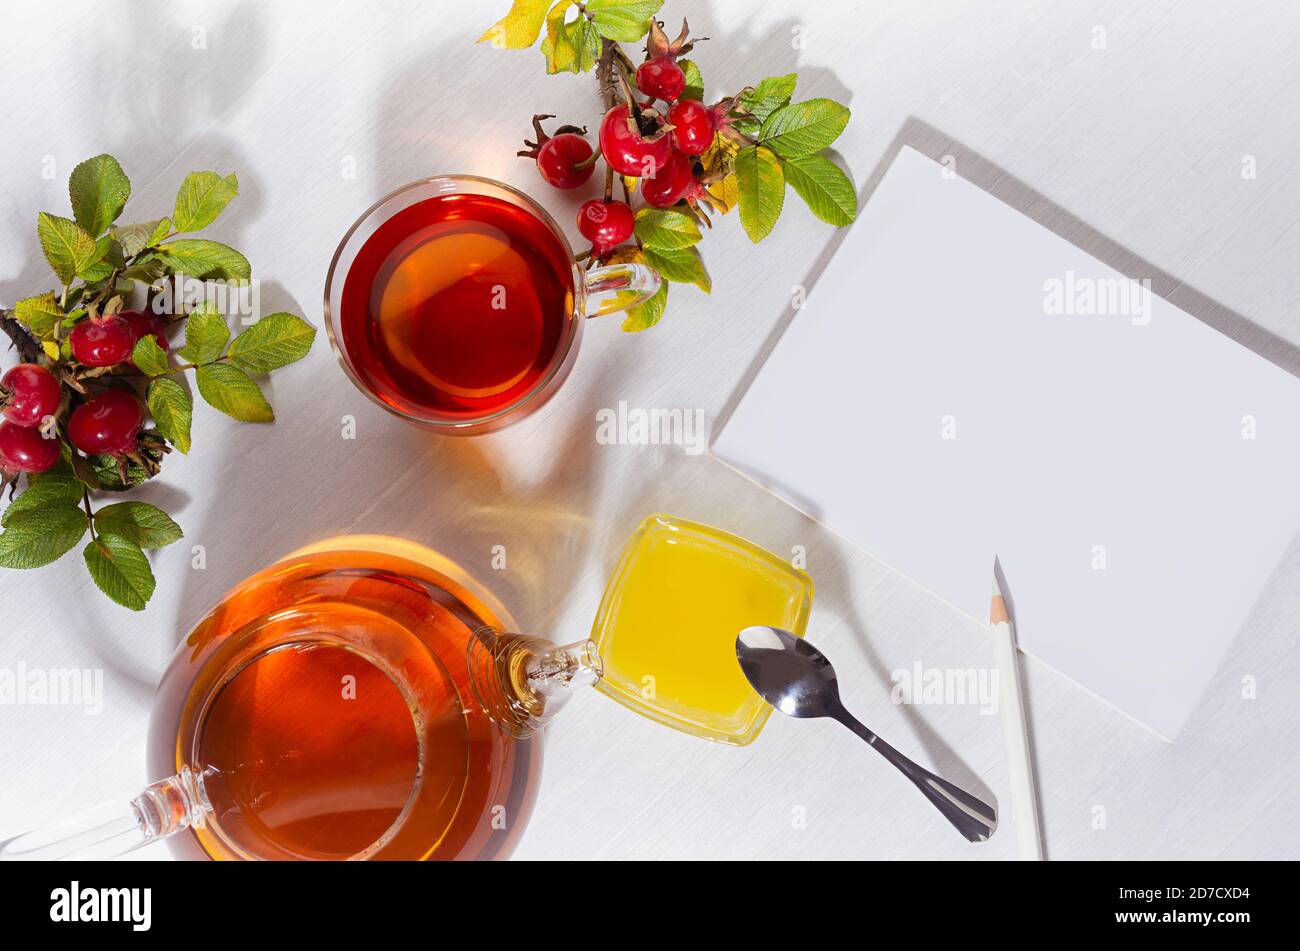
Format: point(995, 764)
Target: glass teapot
point(360, 699)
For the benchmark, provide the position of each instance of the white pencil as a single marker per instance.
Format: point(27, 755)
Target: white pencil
point(1015, 734)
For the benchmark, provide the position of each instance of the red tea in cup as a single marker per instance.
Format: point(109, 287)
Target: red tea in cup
point(457, 304)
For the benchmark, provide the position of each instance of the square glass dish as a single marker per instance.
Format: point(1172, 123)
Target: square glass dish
point(667, 625)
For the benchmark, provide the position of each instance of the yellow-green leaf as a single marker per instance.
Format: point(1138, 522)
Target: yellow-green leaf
point(273, 342)
point(824, 188)
point(646, 315)
point(39, 314)
point(172, 411)
point(569, 47)
point(519, 28)
point(694, 81)
point(66, 244)
point(205, 260)
point(804, 127)
point(234, 393)
point(683, 265)
point(206, 334)
point(202, 197)
point(662, 228)
point(623, 21)
point(769, 95)
point(149, 358)
point(135, 238)
point(99, 189)
point(761, 191)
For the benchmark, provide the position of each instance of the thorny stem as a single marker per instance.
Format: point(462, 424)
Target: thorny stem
point(24, 342)
point(90, 516)
point(609, 182)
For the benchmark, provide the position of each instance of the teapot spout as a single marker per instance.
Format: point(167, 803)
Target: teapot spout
point(521, 682)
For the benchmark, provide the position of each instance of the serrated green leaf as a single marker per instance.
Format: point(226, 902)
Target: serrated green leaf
point(47, 489)
point(42, 535)
point(121, 570)
point(761, 189)
point(682, 265)
point(824, 188)
point(623, 21)
point(519, 28)
point(135, 238)
point(202, 197)
point(646, 315)
point(66, 244)
point(138, 522)
point(205, 260)
point(804, 127)
point(206, 334)
point(39, 314)
point(149, 358)
point(769, 95)
point(234, 393)
point(273, 342)
point(666, 230)
point(99, 189)
point(694, 81)
point(172, 411)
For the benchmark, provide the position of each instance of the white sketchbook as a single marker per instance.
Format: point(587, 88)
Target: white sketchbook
point(963, 382)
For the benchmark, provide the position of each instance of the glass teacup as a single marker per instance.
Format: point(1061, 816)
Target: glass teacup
point(457, 303)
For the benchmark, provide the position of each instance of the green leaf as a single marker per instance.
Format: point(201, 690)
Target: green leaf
point(805, 127)
point(66, 244)
point(234, 393)
point(623, 21)
point(683, 265)
point(205, 260)
point(138, 522)
point(202, 197)
point(518, 29)
point(646, 315)
point(135, 238)
point(206, 334)
point(824, 188)
point(569, 47)
point(149, 358)
point(121, 570)
point(762, 191)
point(47, 489)
point(694, 81)
point(42, 535)
point(99, 189)
point(769, 95)
point(39, 314)
point(172, 411)
point(666, 230)
point(273, 342)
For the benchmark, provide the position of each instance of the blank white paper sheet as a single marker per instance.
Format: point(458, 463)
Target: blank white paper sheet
point(963, 382)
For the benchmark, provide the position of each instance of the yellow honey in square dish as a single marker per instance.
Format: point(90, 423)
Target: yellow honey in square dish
point(667, 625)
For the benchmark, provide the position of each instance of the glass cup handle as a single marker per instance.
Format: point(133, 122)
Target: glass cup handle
point(616, 287)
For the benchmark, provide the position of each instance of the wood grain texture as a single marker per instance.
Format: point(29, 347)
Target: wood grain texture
point(1143, 141)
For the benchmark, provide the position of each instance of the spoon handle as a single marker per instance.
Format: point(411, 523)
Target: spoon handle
point(972, 817)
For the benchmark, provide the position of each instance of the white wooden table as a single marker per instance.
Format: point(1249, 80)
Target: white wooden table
point(1143, 139)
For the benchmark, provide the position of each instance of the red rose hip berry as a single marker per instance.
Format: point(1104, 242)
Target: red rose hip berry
point(605, 224)
point(629, 151)
point(672, 183)
point(661, 78)
point(560, 160)
point(24, 449)
point(29, 393)
point(692, 123)
point(101, 341)
point(107, 424)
